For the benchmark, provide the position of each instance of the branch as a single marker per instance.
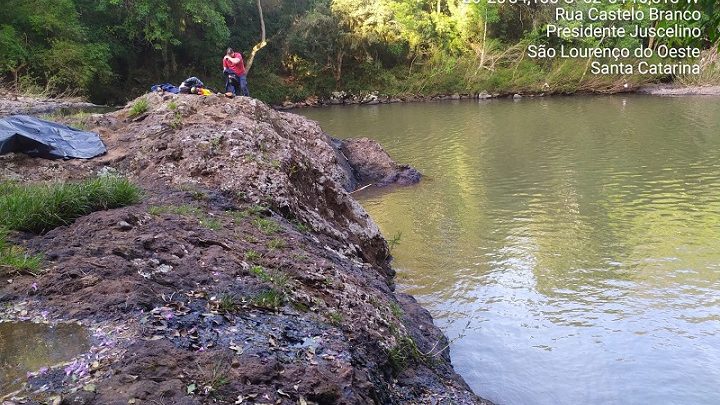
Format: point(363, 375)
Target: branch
point(262, 42)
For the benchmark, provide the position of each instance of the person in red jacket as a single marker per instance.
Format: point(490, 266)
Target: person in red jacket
point(234, 71)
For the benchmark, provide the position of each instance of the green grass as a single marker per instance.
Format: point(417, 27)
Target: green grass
point(184, 210)
point(394, 241)
point(252, 255)
point(275, 277)
point(396, 310)
point(212, 224)
point(187, 210)
point(39, 208)
point(251, 211)
point(267, 226)
point(276, 243)
point(301, 226)
point(176, 121)
point(270, 299)
point(403, 354)
point(259, 272)
point(16, 259)
point(77, 120)
point(139, 107)
point(228, 303)
point(336, 319)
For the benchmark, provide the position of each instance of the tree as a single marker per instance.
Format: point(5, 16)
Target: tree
point(13, 53)
point(263, 40)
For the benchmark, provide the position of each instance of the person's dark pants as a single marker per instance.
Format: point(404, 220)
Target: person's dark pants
point(235, 83)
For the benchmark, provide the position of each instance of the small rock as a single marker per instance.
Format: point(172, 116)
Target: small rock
point(124, 226)
point(517, 96)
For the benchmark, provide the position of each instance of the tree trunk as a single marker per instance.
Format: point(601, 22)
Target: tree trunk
point(338, 66)
point(262, 42)
point(16, 75)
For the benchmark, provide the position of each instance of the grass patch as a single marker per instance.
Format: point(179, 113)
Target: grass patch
point(212, 224)
point(184, 210)
point(301, 226)
point(267, 226)
point(77, 120)
point(228, 303)
point(259, 272)
point(276, 243)
point(405, 352)
point(139, 107)
point(336, 319)
point(277, 278)
point(16, 259)
point(270, 299)
point(251, 211)
point(396, 310)
point(252, 255)
point(187, 210)
point(40, 208)
point(301, 257)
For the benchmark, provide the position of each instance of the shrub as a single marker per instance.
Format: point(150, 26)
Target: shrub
point(40, 208)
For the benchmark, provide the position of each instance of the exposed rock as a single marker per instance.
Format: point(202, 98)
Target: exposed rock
point(248, 274)
point(676, 90)
point(371, 164)
point(124, 226)
point(15, 104)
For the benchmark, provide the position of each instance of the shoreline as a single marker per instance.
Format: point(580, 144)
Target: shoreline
point(376, 98)
point(11, 104)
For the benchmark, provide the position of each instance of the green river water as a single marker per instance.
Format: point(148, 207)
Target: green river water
point(570, 247)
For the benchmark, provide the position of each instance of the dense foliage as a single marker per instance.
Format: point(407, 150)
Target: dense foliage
point(112, 50)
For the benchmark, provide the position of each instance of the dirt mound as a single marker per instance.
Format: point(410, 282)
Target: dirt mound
point(247, 275)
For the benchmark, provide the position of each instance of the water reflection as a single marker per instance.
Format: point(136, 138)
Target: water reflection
point(27, 346)
point(579, 236)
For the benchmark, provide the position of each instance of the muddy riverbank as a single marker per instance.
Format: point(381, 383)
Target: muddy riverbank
point(248, 274)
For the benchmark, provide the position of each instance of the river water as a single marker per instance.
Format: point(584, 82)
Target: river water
point(570, 247)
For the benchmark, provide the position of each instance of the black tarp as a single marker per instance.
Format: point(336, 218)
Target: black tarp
point(50, 140)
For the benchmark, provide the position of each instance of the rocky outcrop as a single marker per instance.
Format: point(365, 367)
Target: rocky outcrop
point(247, 275)
point(371, 164)
point(16, 104)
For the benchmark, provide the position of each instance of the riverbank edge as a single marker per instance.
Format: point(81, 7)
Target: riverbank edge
point(15, 104)
point(376, 98)
point(415, 367)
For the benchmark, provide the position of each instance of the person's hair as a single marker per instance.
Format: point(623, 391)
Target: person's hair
point(229, 51)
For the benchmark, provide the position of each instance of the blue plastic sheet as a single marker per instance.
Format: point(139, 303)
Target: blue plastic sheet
point(50, 140)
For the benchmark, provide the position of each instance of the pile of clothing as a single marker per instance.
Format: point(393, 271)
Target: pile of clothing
point(191, 85)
